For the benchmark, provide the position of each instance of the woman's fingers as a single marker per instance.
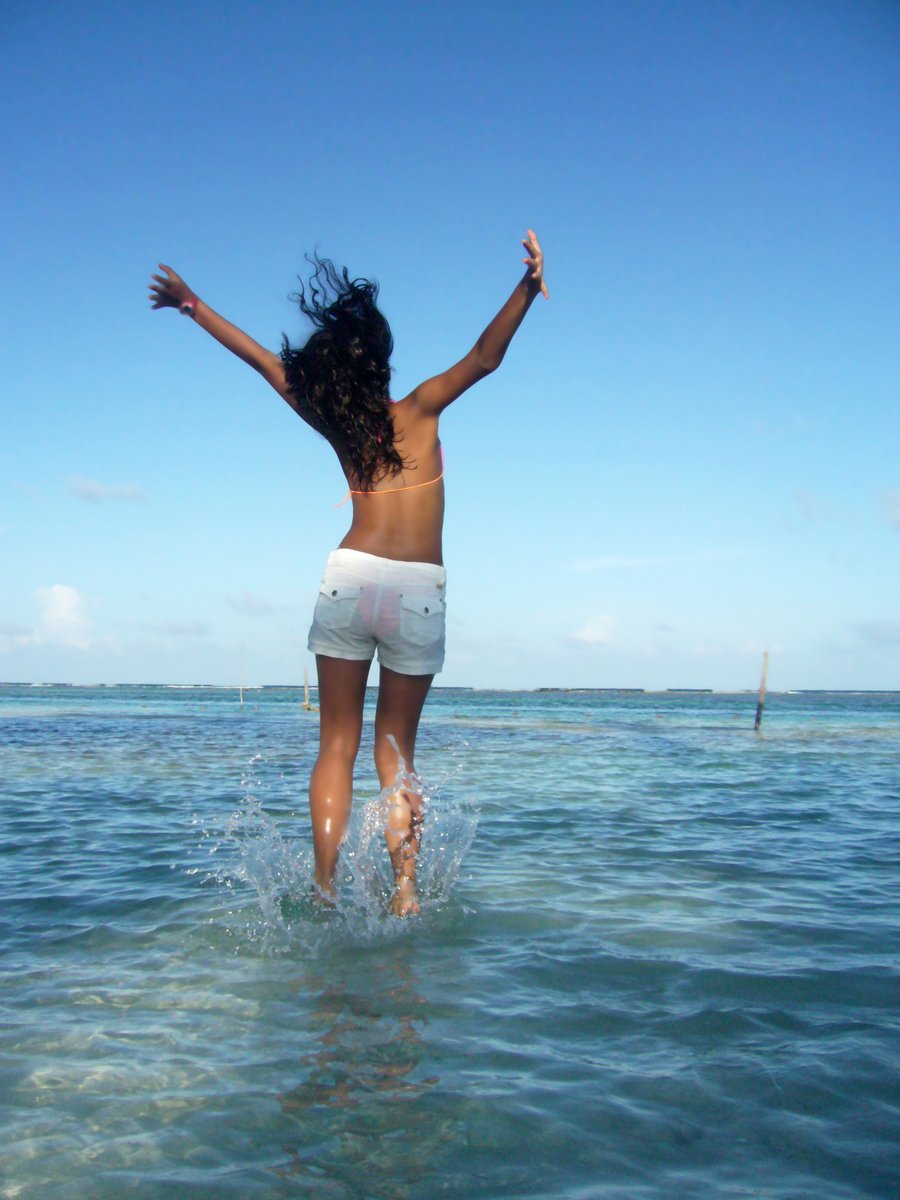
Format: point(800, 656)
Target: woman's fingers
point(533, 246)
point(536, 261)
point(160, 294)
point(165, 289)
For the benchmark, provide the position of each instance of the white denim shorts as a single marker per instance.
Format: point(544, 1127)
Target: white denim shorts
point(367, 603)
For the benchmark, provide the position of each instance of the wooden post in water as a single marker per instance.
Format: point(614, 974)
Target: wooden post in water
point(306, 704)
point(761, 699)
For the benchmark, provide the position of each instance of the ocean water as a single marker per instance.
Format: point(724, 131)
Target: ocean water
point(657, 954)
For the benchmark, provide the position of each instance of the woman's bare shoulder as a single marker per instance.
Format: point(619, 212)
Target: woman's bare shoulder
point(406, 413)
point(409, 409)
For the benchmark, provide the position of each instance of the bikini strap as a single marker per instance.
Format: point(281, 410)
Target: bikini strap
point(409, 487)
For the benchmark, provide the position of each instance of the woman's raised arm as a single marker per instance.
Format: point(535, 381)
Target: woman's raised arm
point(435, 394)
point(170, 291)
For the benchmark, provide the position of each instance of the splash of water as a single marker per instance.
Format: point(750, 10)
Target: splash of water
point(270, 878)
point(256, 866)
point(448, 831)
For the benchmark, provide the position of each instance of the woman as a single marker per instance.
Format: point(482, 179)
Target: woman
point(384, 586)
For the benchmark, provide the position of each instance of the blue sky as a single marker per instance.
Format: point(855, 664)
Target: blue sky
point(690, 454)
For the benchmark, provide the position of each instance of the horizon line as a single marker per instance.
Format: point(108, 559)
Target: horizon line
point(547, 689)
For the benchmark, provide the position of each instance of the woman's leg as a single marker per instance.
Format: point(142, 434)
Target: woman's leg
point(400, 702)
point(342, 692)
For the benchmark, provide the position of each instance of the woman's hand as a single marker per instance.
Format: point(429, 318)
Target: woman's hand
point(169, 290)
point(535, 261)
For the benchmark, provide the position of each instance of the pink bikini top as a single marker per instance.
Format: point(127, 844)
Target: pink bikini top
point(407, 487)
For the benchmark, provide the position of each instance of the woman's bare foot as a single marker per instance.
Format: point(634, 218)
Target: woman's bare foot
point(404, 838)
point(323, 895)
point(404, 902)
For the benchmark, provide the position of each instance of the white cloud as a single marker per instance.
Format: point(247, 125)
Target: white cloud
point(10, 630)
point(879, 633)
point(250, 605)
point(98, 493)
point(596, 631)
point(13, 635)
point(63, 620)
point(182, 628)
point(891, 503)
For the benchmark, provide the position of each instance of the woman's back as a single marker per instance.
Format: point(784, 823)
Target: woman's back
point(402, 516)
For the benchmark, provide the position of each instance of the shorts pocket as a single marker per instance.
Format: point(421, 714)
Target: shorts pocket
point(422, 618)
point(336, 605)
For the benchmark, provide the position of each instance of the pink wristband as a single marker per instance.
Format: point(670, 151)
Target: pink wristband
point(188, 308)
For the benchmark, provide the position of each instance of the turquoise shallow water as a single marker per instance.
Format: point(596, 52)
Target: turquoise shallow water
point(657, 954)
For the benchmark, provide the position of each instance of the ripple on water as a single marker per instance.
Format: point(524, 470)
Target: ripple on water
point(663, 969)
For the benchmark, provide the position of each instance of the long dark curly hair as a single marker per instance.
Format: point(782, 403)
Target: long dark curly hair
point(340, 378)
